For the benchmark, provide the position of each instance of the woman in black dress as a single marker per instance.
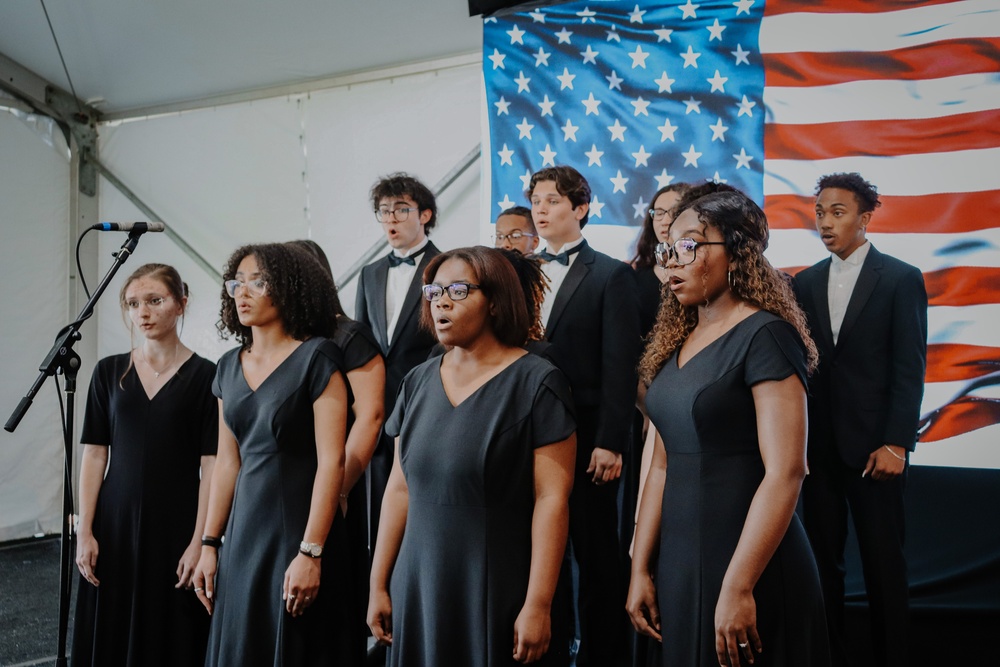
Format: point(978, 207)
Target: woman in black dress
point(152, 413)
point(475, 517)
point(364, 368)
point(735, 581)
point(277, 585)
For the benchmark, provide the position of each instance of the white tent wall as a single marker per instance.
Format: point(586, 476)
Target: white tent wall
point(34, 265)
point(286, 168)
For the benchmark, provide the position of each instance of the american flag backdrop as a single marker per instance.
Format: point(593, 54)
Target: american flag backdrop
point(769, 96)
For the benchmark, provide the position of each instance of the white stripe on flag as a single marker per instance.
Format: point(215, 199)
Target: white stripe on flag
point(829, 32)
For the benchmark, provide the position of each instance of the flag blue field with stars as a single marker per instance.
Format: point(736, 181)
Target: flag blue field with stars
point(634, 96)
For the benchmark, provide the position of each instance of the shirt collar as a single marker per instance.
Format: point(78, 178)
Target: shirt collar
point(856, 258)
point(565, 246)
point(415, 250)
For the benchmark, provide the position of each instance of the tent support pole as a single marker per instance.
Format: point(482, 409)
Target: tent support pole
point(196, 256)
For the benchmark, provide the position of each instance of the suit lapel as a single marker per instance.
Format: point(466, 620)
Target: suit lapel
point(821, 298)
point(413, 294)
point(577, 272)
point(867, 280)
point(378, 301)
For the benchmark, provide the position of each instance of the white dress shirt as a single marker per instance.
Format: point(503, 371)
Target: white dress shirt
point(843, 277)
point(397, 284)
point(556, 274)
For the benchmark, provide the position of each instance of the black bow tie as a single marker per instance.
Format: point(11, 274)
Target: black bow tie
point(395, 260)
point(562, 258)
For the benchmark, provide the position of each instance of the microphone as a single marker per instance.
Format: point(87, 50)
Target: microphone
point(129, 226)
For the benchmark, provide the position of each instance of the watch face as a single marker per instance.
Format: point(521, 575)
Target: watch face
point(314, 550)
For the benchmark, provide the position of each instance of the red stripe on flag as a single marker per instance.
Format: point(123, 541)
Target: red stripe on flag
point(916, 63)
point(776, 7)
point(949, 213)
point(963, 286)
point(966, 414)
point(822, 141)
point(952, 362)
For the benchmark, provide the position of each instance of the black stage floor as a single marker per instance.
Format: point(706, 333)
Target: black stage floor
point(29, 610)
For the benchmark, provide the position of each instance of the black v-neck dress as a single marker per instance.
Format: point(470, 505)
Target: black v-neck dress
point(275, 430)
point(461, 575)
point(145, 516)
point(705, 413)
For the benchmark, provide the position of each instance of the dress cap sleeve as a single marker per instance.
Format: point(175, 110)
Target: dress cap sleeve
point(775, 353)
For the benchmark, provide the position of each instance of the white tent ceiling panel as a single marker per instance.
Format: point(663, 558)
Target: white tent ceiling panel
point(34, 189)
point(286, 168)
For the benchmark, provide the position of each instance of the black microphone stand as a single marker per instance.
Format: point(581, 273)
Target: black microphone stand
point(62, 359)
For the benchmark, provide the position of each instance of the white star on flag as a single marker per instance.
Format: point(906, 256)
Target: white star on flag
point(617, 131)
point(549, 157)
point(665, 82)
point(691, 157)
point(746, 107)
point(587, 15)
point(718, 82)
point(524, 129)
point(690, 57)
point(639, 57)
point(640, 105)
point(636, 15)
point(546, 106)
point(642, 157)
point(592, 105)
point(505, 156)
point(692, 105)
point(497, 59)
point(590, 55)
point(515, 35)
point(564, 36)
point(663, 179)
point(615, 81)
point(743, 6)
point(741, 55)
point(715, 31)
point(640, 208)
point(593, 156)
point(505, 204)
point(690, 10)
point(569, 131)
point(566, 80)
point(502, 106)
point(667, 131)
point(619, 182)
point(718, 131)
point(663, 35)
point(522, 83)
point(542, 57)
point(742, 159)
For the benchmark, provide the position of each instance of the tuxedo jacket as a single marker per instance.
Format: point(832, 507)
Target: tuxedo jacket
point(867, 389)
point(595, 337)
point(411, 343)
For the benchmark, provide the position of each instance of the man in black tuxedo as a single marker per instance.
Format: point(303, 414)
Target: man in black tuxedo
point(591, 317)
point(388, 301)
point(868, 315)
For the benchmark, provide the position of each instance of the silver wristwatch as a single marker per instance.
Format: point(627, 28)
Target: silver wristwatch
point(311, 549)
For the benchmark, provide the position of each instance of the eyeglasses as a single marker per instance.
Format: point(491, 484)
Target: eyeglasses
point(397, 214)
point(659, 213)
point(515, 235)
point(154, 303)
point(684, 251)
point(254, 288)
point(456, 291)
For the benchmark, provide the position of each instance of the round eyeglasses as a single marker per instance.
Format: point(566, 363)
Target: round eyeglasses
point(456, 291)
point(659, 213)
point(153, 303)
point(684, 251)
point(515, 235)
point(254, 288)
point(398, 214)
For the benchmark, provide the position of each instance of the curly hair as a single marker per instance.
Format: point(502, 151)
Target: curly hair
point(301, 290)
point(314, 250)
point(569, 183)
point(645, 245)
point(534, 282)
point(753, 281)
point(498, 281)
point(864, 192)
point(401, 184)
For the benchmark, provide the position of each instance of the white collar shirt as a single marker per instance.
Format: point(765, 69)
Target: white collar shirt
point(556, 273)
point(397, 284)
point(843, 277)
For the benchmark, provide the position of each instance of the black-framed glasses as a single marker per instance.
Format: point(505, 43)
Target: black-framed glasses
point(385, 214)
point(456, 291)
point(254, 288)
point(659, 213)
point(684, 251)
point(515, 235)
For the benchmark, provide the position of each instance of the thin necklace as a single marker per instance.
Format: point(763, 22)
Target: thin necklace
point(156, 373)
